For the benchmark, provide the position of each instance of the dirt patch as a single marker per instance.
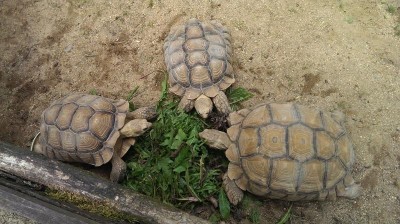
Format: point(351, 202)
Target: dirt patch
point(329, 55)
point(310, 80)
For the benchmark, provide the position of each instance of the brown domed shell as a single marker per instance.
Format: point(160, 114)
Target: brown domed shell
point(82, 128)
point(289, 152)
point(198, 59)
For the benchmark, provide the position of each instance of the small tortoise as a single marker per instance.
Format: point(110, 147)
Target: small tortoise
point(91, 129)
point(286, 151)
point(198, 57)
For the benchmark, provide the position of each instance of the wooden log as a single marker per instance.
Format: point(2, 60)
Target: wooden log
point(66, 178)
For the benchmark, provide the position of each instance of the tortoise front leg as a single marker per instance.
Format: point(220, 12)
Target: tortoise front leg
point(118, 169)
point(221, 102)
point(234, 193)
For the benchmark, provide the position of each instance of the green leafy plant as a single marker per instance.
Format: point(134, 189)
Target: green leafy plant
point(285, 218)
point(130, 96)
point(255, 216)
point(171, 162)
point(251, 207)
point(390, 8)
point(223, 203)
point(397, 30)
point(237, 95)
point(93, 92)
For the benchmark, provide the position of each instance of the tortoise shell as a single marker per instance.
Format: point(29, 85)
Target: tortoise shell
point(82, 128)
point(289, 152)
point(198, 59)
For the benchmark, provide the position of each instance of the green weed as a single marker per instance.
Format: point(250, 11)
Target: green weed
point(151, 4)
point(390, 8)
point(349, 19)
point(93, 92)
point(255, 216)
point(397, 30)
point(130, 96)
point(223, 204)
point(251, 207)
point(237, 95)
point(91, 206)
point(285, 218)
point(171, 162)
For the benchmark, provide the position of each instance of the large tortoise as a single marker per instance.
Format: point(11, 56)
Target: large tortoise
point(91, 129)
point(286, 151)
point(198, 57)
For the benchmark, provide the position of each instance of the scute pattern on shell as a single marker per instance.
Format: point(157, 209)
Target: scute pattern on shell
point(289, 152)
point(82, 128)
point(198, 59)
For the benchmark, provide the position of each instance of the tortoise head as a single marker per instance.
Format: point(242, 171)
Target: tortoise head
point(216, 139)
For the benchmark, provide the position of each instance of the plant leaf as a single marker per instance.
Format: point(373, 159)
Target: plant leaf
point(238, 95)
point(179, 169)
point(223, 203)
point(285, 217)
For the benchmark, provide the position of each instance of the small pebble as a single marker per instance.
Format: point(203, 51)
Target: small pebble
point(68, 48)
point(397, 183)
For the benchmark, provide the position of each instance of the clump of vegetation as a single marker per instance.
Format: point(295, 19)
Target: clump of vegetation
point(390, 9)
point(285, 218)
point(130, 96)
point(90, 205)
point(237, 95)
point(171, 162)
point(251, 207)
point(397, 30)
point(93, 92)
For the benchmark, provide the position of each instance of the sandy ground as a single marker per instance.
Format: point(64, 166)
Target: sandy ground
point(325, 54)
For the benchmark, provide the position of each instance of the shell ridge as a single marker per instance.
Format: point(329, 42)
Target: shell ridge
point(287, 141)
point(59, 155)
point(271, 164)
point(258, 140)
point(325, 175)
point(109, 132)
point(299, 176)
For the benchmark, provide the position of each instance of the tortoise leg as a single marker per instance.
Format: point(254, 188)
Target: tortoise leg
point(186, 104)
point(234, 193)
point(338, 116)
point(349, 188)
point(118, 165)
point(221, 103)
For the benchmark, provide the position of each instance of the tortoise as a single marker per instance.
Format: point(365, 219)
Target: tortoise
point(91, 129)
point(198, 57)
point(286, 151)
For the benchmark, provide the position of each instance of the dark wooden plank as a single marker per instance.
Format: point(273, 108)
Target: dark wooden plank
point(37, 210)
point(66, 178)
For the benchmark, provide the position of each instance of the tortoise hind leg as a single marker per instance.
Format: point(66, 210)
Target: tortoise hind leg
point(234, 193)
point(338, 116)
point(353, 191)
point(348, 188)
